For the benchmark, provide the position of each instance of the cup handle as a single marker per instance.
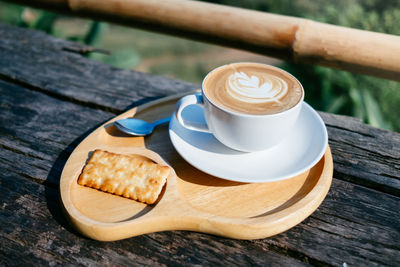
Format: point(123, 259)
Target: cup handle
point(196, 99)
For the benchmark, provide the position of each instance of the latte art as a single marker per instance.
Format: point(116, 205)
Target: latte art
point(253, 90)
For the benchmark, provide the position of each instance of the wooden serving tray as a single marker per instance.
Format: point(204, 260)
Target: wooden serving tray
point(191, 199)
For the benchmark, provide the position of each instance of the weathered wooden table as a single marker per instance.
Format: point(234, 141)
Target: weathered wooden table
point(52, 98)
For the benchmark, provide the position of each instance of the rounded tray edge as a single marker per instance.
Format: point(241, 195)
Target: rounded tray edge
point(281, 221)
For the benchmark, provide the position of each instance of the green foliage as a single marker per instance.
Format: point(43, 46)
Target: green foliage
point(45, 22)
point(25, 17)
point(95, 33)
point(12, 14)
point(173, 69)
point(126, 58)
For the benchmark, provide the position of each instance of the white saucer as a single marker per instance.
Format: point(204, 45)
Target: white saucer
point(300, 150)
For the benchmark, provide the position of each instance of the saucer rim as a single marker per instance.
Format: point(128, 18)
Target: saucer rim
point(324, 147)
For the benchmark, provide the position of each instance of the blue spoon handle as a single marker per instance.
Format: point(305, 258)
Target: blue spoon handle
point(161, 121)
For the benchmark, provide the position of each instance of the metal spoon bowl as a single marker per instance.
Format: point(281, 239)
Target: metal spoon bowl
point(138, 127)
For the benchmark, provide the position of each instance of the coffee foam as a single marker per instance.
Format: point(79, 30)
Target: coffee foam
point(252, 88)
point(256, 89)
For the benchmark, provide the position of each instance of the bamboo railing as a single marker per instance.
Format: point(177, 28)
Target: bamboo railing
point(289, 38)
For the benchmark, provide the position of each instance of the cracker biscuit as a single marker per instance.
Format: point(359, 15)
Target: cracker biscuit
point(124, 175)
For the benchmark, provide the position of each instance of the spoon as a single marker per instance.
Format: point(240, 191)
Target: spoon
point(138, 127)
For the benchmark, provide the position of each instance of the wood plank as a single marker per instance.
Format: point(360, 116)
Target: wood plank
point(354, 224)
point(38, 61)
point(41, 131)
point(363, 154)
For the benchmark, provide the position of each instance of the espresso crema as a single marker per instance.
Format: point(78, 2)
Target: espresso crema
point(252, 88)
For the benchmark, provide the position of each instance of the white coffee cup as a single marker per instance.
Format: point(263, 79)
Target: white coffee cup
point(240, 131)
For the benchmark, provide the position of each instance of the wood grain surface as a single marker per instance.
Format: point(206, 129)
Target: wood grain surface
point(49, 103)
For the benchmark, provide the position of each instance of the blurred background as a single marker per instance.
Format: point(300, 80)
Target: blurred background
point(375, 101)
